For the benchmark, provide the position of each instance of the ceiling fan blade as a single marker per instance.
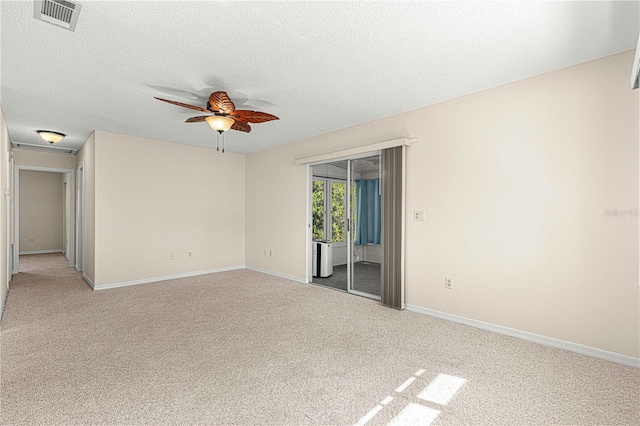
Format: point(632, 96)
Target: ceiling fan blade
point(247, 116)
point(220, 102)
point(197, 108)
point(242, 127)
point(198, 119)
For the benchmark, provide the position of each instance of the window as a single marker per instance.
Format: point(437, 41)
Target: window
point(329, 210)
point(338, 207)
point(318, 203)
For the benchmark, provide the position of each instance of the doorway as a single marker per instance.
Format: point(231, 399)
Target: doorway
point(346, 225)
point(31, 216)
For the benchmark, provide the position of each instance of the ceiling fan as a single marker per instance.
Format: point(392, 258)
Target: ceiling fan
point(224, 115)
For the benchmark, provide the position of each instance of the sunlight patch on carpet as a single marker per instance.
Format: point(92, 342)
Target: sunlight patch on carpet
point(415, 414)
point(442, 389)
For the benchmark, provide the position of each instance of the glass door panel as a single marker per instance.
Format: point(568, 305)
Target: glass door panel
point(329, 251)
point(365, 227)
point(318, 209)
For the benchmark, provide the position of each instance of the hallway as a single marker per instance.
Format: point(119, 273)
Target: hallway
point(45, 280)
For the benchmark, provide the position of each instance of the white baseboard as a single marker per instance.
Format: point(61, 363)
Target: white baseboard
point(88, 280)
point(531, 337)
point(166, 277)
point(277, 274)
point(4, 302)
point(40, 252)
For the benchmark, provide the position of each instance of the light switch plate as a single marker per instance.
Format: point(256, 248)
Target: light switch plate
point(418, 215)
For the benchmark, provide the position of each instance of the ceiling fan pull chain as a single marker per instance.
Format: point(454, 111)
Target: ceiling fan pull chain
point(223, 143)
point(217, 141)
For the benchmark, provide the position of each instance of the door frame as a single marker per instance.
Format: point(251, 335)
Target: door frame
point(70, 201)
point(80, 219)
point(9, 195)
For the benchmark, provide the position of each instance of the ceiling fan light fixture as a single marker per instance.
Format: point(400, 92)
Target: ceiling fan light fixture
point(220, 123)
point(50, 136)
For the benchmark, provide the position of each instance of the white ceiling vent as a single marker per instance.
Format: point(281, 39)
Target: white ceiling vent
point(62, 13)
point(42, 147)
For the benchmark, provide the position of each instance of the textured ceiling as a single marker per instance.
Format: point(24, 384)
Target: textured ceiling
point(319, 66)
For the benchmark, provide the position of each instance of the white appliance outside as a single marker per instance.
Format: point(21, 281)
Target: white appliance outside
point(322, 259)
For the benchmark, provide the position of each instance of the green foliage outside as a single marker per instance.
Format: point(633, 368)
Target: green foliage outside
point(338, 207)
point(337, 212)
point(318, 210)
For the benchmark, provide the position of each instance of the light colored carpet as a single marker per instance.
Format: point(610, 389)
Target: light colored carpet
point(246, 348)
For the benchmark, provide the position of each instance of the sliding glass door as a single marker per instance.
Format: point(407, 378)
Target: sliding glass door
point(329, 225)
point(346, 225)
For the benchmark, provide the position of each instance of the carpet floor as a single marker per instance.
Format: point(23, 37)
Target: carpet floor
point(245, 348)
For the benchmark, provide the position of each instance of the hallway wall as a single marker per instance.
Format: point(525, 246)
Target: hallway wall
point(5, 152)
point(41, 212)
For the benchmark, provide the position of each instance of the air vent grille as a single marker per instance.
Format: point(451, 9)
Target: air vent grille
point(61, 10)
point(58, 12)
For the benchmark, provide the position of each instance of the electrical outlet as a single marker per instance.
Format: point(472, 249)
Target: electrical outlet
point(418, 215)
point(172, 256)
point(32, 239)
point(189, 254)
point(448, 283)
point(265, 253)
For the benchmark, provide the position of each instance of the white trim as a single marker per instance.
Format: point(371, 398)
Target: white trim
point(15, 266)
point(166, 277)
point(403, 226)
point(348, 233)
point(9, 194)
point(309, 220)
point(88, 280)
point(278, 274)
point(41, 251)
point(80, 219)
point(4, 300)
point(350, 153)
point(635, 71)
point(531, 337)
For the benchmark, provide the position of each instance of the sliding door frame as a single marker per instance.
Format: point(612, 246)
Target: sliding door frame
point(348, 225)
point(351, 244)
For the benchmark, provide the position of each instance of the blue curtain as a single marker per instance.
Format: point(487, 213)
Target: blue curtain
point(367, 211)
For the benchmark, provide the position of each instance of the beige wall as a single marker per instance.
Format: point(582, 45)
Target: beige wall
point(5, 152)
point(41, 212)
point(87, 157)
point(515, 182)
point(25, 157)
point(153, 198)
